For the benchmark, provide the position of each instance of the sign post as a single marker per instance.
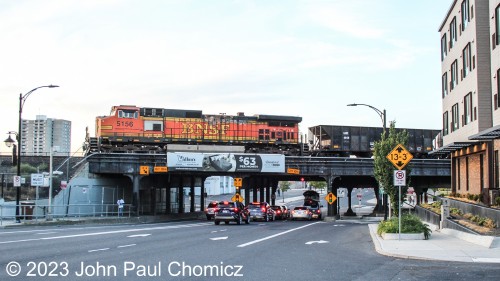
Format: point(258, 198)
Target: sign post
point(399, 157)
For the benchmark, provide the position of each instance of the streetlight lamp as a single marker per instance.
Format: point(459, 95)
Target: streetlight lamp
point(382, 115)
point(22, 100)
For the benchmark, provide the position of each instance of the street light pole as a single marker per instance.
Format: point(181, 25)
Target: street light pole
point(382, 114)
point(22, 100)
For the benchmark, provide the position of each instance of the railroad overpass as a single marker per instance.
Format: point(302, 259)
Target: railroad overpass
point(151, 192)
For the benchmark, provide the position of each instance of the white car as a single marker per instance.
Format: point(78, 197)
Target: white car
point(301, 212)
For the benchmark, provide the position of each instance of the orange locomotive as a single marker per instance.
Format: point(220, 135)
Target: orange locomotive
point(143, 129)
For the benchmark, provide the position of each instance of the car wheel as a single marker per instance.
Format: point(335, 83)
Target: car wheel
point(226, 222)
point(217, 222)
point(209, 217)
point(239, 220)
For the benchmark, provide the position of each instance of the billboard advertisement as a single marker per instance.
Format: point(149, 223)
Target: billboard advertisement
point(226, 162)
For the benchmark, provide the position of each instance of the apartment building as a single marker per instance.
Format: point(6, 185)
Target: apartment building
point(39, 135)
point(470, 68)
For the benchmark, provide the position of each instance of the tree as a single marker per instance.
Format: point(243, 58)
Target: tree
point(383, 168)
point(318, 185)
point(284, 186)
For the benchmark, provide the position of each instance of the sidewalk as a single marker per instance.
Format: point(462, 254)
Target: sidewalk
point(440, 246)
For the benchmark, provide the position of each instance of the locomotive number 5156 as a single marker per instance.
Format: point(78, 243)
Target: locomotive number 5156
point(127, 124)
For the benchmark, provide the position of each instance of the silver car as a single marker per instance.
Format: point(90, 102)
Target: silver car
point(301, 212)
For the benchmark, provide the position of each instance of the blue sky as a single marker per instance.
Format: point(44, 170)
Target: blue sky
point(286, 57)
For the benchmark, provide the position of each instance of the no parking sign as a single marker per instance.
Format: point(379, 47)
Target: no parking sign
point(399, 177)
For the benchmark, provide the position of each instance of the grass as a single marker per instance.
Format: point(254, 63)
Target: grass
point(409, 224)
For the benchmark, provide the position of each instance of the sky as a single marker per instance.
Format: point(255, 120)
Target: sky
point(307, 58)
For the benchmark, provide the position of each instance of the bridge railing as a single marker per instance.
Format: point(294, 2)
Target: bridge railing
point(363, 166)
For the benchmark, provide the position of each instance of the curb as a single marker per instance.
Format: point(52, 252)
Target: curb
point(378, 246)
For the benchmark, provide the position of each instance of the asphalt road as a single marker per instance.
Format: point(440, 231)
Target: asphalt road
point(200, 250)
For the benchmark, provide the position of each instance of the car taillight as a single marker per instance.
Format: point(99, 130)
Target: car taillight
point(318, 211)
point(293, 212)
point(278, 211)
point(264, 210)
point(235, 210)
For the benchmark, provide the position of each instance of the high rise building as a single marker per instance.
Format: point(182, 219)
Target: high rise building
point(39, 135)
point(470, 88)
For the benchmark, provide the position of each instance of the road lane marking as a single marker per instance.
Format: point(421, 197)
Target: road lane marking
point(317, 242)
point(138, 235)
point(46, 233)
point(97, 250)
point(108, 232)
point(219, 238)
point(276, 235)
point(124, 246)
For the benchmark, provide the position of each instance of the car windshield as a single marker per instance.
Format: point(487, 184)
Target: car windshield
point(300, 208)
point(212, 205)
point(276, 207)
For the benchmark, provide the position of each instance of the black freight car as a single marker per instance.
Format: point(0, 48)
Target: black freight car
point(355, 141)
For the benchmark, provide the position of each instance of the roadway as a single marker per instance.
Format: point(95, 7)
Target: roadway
point(200, 250)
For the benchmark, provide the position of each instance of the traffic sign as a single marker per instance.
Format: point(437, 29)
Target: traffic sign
point(399, 178)
point(238, 182)
point(330, 198)
point(144, 170)
point(36, 179)
point(160, 169)
point(17, 181)
point(293, 171)
point(359, 195)
point(399, 156)
point(237, 198)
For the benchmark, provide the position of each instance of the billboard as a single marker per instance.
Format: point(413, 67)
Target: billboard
point(226, 162)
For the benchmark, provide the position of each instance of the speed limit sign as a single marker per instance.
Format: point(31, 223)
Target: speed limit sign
point(399, 177)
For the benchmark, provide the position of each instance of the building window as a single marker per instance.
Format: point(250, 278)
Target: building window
point(444, 47)
point(445, 123)
point(467, 173)
point(454, 117)
point(453, 32)
point(468, 108)
point(444, 84)
point(466, 60)
point(454, 75)
point(497, 25)
point(497, 104)
point(465, 14)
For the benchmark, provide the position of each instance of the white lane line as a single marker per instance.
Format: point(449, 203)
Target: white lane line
point(45, 233)
point(276, 235)
point(219, 238)
point(97, 250)
point(124, 246)
point(108, 232)
point(138, 235)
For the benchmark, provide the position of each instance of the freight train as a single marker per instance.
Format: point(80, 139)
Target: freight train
point(133, 129)
point(355, 141)
point(136, 129)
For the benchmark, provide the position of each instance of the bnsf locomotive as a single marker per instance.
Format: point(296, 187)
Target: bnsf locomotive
point(151, 130)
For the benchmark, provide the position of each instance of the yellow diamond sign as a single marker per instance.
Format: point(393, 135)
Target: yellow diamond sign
point(330, 198)
point(399, 156)
point(237, 198)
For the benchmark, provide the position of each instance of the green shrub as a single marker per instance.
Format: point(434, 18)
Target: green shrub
point(497, 201)
point(409, 224)
point(456, 211)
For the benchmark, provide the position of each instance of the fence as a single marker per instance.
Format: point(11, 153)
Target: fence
point(37, 212)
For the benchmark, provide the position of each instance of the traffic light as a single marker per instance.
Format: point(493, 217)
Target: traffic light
point(301, 179)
